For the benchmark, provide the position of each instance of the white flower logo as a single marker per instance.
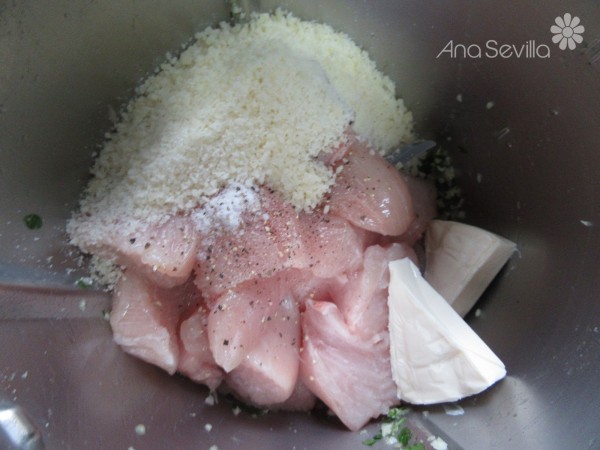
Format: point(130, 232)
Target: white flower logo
point(567, 31)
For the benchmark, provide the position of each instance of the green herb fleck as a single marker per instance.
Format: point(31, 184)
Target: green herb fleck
point(372, 441)
point(397, 414)
point(394, 432)
point(438, 167)
point(33, 221)
point(417, 446)
point(404, 436)
point(84, 283)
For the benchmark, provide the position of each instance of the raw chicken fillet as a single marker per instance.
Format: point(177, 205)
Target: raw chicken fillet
point(289, 306)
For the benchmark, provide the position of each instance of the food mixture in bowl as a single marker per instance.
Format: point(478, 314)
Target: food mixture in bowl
point(256, 240)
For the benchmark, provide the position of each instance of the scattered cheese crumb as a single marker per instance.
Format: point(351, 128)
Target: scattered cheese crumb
point(140, 429)
point(213, 447)
point(586, 223)
point(452, 409)
point(438, 443)
point(84, 282)
point(391, 440)
point(386, 429)
point(210, 400)
point(489, 105)
point(208, 427)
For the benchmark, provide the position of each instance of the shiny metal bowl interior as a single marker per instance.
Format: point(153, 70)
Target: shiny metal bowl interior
point(524, 138)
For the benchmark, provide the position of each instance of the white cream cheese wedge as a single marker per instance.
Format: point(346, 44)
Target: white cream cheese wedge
point(436, 357)
point(462, 260)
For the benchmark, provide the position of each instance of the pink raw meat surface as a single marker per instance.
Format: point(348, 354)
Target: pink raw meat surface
point(275, 239)
point(363, 299)
point(195, 358)
point(240, 317)
point(267, 242)
point(371, 193)
point(164, 254)
point(269, 372)
point(306, 286)
point(349, 374)
point(288, 307)
point(144, 319)
point(332, 244)
point(302, 399)
point(424, 195)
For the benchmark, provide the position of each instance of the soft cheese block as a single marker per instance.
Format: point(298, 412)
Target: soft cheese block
point(436, 357)
point(462, 260)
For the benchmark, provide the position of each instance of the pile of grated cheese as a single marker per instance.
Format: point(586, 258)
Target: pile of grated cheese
point(248, 104)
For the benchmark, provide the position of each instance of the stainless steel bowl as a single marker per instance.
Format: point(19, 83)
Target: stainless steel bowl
point(524, 133)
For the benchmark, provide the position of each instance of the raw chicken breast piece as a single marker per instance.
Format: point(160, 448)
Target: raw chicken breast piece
point(239, 318)
point(424, 198)
point(267, 242)
point(302, 399)
point(371, 193)
point(363, 299)
point(332, 244)
point(306, 286)
point(164, 254)
point(195, 357)
point(269, 372)
point(144, 319)
point(350, 375)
